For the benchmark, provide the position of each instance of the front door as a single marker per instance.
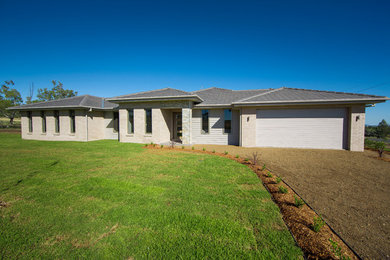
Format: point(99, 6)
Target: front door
point(177, 127)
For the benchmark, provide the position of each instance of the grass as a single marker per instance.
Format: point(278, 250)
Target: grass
point(106, 199)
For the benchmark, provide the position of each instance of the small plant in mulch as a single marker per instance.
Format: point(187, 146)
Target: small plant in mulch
point(298, 202)
point(182, 147)
point(154, 145)
point(237, 156)
point(255, 158)
point(336, 249)
point(246, 159)
point(278, 180)
point(193, 148)
point(283, 189)
point(145, 145)
point(172, 144)
point(264, 167)
point(162, 146)
point(269, 175)
point(204, 149)
point(318, 223)
point(226, 152)
point(213, 151)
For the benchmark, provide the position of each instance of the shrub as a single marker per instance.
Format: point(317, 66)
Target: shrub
point(226, 153)
point(318, 223)
point(204, 149)
point(298, 202)
point(182, 147)
point(145, 145)
point(193, 148)
point(380, 148)
point(263, 168)
point(283, 189)
point(269, 175)
point(278, 179)
point(213, 151)
point(154, 145)
point(162, 146)
point(337, 250)
point(237, 156)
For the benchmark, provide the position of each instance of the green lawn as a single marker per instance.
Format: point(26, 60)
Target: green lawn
point(107, 199)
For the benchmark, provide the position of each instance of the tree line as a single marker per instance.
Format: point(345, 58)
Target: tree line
point(10, 96)
point(381, 131)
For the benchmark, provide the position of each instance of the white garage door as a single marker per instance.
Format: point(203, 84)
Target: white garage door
point(301, 128)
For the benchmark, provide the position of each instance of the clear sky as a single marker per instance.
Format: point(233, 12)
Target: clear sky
point(109, 48)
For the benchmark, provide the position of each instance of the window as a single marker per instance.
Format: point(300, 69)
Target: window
point(30, 125)
point(228, 120)
point(205, 121)
point(72, 121)
point(130, 122)
point(43, 118)
point(148, 119)
point(116, 122)
point(57, 121)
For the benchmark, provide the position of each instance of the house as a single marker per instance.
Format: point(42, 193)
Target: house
point(282, 117)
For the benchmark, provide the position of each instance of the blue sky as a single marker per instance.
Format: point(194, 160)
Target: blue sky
point(109, 48)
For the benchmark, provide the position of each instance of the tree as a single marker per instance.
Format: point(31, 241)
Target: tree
point(9, 97)
point(383, 129)
point(56, 92)
point(29, 97)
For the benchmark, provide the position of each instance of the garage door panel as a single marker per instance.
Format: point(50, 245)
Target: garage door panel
point(311, 128)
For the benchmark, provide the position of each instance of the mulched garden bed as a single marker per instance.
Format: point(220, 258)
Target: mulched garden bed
point(299, 220)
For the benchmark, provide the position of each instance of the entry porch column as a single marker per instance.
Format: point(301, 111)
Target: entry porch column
point(186, 114)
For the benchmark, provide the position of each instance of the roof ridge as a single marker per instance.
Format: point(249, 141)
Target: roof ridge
point(209, 89)
point(145, 92)
point(335, 92)
point(48, 101)
point(265, 93)
point(257, 89)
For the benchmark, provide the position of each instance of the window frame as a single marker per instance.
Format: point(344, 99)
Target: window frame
point(202, 130)
point(44, 125)
point(115, 126)
point(30, 121)
point(57, 121)
point(72, 117)
point(130, 124)
point(146, 121)
point(224, 121)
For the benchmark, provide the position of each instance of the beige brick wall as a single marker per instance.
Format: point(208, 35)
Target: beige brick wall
point(96, 129)
point(50, 135)
point(160, 126)
point(248, 127)
point(108, 125)
point(357, 118)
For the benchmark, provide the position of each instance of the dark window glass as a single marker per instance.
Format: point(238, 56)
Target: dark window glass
point(116, 122)
point(30, 124)
point(205, 121)
point(228, 120)
point(57, 121)
point(130, 126)
point(72, 121)
point(148, 117)
point(43, 118)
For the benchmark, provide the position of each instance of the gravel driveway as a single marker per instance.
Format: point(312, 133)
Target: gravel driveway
point(351, 190)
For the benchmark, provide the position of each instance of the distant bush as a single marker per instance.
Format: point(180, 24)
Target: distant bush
point(380, 148)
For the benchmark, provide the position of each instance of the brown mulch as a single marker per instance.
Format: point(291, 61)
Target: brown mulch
point(299, 220)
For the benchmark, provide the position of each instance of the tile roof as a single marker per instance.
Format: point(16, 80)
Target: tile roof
point(85, 101)
point(156, 94)
point(287, 95)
